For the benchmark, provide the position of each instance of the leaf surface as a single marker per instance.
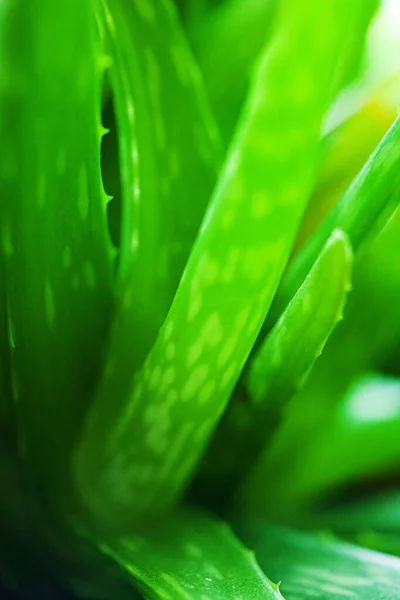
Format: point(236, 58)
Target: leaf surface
point(279, 367)
point(361, 212)
point(151, 439)
point(55, 246)
point(358, 439)
point(190, 556)
point(316, 567)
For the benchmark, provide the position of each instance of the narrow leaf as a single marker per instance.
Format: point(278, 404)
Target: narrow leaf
point(279, 368)
point(301, 333)
point(352, 349)
point(227, 41)
point(167, 138)
point(137, 454)
point(361, 212)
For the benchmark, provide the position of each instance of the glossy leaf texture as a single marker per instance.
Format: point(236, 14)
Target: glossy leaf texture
point(346, 148)
point(230, 37)
point(168, 157)
point(352, 350)
point(316, 567)
point(279, 367)
point(55, 246)
point(136, 455)
point(190, 556)
point(361, 212)
point(358, 439)
point(169, 153)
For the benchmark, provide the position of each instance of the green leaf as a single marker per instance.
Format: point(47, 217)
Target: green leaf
point(5, 383)
point(230, 37)
point(227, 42)
point(190, 556)
point(316, 567)
point(356, 440)
point(137, 453)
point(361, 212)
point(371, 521)
point(280, 366)
point(168, 145)
point(352, 349)
point(379, 513)
point(285, 358)
point(55, 245)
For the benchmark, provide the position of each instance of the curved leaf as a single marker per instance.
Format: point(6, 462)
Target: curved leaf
point(361, 212)
point(136, 455)
point(190, 556)
point(280, 366)
point(55, 246)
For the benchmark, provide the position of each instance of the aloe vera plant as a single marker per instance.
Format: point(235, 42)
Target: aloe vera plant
point(162, 313)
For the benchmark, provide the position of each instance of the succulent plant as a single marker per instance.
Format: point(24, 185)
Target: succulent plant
point(185, 209)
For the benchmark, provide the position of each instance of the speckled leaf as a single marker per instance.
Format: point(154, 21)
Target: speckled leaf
point(357, 440)
point(367, 339)
point(361, 212)
point(285, 358)
point(191, 557)
point(315, 567)
point(58, 259)
point(137, 454)
point(280, 366)
point(169, 156)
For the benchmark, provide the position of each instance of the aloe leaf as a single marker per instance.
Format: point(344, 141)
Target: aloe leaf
point(352, 349)
point(227, 42)
point(317, 567)
point(379, 513)
point(358, 439)
point(229, 39)
point(136, 455)
point(372, 522)
point(280, 366)
point(167, 137)
point(361, 212)
point(389, 543)
point(345, 150)
point(301, 333)
point(55, 245)
point(189, 556)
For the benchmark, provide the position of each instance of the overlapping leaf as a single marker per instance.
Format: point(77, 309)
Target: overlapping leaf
point(138, 462)
point(361, 212)
point(351, 350)
point(279, 368)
